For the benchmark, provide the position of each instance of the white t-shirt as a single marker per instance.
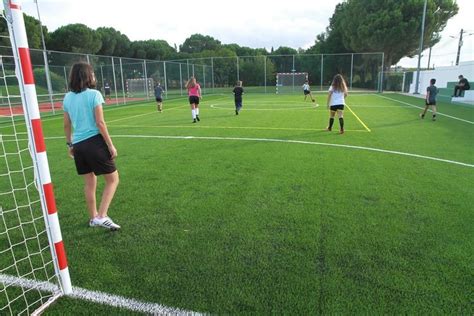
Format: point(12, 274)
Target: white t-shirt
point(306, 87)
point(337, 97)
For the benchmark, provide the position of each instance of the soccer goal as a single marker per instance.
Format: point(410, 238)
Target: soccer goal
point(139, 88)
point(33, 266)
point(290, 82)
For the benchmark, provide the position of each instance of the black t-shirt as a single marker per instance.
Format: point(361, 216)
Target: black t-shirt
point(238, 91)
point(465, 83)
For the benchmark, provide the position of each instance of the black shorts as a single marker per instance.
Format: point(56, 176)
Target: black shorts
point(306, 92)
point(107, 91)
point(238, 103)
point(194, 100)
point(337, 107)
point(430, 103)
point(92, 155)
point(159, 99)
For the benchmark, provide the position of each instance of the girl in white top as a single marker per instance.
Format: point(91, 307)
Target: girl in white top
point(336, 101)
point(307, 91)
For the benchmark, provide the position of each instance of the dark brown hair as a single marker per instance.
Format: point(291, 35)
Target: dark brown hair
point(81, 77)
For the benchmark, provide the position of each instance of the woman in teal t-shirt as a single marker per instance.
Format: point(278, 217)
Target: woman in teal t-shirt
point(89, 142)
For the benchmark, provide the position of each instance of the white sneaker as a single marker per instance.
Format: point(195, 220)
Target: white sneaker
point(92, 223)
point(105, 222)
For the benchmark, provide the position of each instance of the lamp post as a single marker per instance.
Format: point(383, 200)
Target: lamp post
point(417, 84)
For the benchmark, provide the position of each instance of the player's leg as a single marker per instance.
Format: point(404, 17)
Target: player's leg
point(197, 112)
point(340, 114)
point(433, 109)
point(111, 183)
point(193, 112)
point(422, 114)
point(331, 119)
point(312, 98)
point(90, 185)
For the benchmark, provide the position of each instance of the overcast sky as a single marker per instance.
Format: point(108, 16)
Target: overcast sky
point(256, 23)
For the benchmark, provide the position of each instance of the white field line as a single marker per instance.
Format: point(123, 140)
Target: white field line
point(421, 108)
point(393, 152)
point(96, 297)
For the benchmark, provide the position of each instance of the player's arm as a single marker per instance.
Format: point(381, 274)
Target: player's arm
point(68, 133)
point(199, 91)
point(100, 121)
point(427, 95)
point(329, 99)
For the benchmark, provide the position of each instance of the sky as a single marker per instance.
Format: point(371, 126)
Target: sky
point(252, 23)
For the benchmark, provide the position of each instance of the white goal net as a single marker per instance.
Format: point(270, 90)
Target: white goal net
point(290, 82)
point(139, 88)
point(33, 265)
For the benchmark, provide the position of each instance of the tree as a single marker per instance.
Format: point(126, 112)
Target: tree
point(76, 38)
point(197, 43)
point(392, 26)
point(33, 32)
point(114, 43)
point(152, 49)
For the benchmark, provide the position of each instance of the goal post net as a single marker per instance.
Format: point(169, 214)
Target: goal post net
point(33, 265)
point(290, 82)
point(139, 88)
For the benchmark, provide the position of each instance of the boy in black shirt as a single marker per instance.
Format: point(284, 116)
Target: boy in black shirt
point(238, 91)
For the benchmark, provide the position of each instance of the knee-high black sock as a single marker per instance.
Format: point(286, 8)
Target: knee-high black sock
point(341, 122)
point(331, 121)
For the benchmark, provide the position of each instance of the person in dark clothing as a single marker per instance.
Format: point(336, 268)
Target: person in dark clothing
point(430, 101)
point(238, 91)
point(462, 85)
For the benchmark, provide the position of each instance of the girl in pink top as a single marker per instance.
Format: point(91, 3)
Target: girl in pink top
point(194, 92)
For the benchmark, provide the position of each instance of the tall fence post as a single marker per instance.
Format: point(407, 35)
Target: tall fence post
point(146, 80)
point(265, 72)
point(166, 80)
point(322, 70)
point(212, 73)
point(352, 67)
point(123, 83)
point(180, 80)
point(115, 79)
point(237, 65)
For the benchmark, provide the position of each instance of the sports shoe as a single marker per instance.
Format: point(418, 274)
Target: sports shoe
point(422, 116)
point(328, 129)
point(236, 112)
point(194, 120)
point(341, 131)
point(92, 223)
point(105, 222)
point(314, 100)
point(197, 118)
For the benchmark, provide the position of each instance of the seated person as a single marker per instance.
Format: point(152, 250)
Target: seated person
point(462, 85)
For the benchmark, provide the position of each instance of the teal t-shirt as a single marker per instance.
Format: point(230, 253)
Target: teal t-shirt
point(81, 110)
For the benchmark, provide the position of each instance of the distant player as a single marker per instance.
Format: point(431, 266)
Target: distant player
point(238, 91)
point(158, 97)
point(431, 93)
point(107, 90)
point(336, 101)
point(307, 91)
point(194, 93)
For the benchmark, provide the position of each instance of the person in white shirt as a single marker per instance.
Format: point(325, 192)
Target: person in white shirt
point(307, 91)
point(336, 101)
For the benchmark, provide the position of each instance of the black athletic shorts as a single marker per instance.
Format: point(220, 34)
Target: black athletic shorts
point(430, 103)
point(159, 99)
point(337, 107)
point(193, 99)
point(92, 155)
point(306, 92)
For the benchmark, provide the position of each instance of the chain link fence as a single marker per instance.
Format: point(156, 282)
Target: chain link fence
point(216, 75)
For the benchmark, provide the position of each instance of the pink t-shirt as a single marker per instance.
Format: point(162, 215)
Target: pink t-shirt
point(194, 91)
